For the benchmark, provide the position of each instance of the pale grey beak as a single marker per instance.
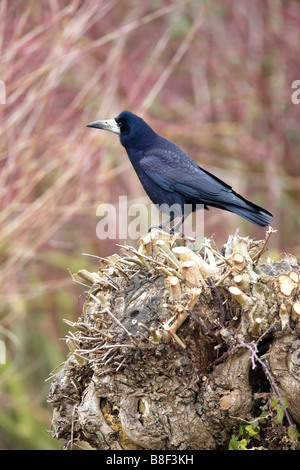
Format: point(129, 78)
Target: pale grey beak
point(107, 125)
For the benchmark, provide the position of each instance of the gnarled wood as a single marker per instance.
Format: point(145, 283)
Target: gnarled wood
point(157, 359)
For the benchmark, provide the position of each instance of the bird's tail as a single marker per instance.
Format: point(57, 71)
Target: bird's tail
point(255, 214)
point(237, 204)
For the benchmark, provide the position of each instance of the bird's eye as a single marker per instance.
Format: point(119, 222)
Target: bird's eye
point(124, 128)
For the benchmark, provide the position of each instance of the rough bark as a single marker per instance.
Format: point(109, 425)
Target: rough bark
point(175, 349)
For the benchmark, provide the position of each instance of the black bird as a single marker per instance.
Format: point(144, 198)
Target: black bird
point(171, 178)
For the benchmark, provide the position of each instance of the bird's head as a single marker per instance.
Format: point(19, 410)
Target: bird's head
point(134, 132)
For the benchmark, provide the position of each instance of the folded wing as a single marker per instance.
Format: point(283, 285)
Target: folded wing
point(174, 171)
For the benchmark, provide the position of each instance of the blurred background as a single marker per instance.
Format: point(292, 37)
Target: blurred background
point(215, 77)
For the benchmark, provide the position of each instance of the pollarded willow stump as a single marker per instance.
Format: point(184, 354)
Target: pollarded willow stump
point(163, 355)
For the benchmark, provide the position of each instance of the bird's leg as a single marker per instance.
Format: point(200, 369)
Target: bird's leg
point(176, 226)
point(162, 224)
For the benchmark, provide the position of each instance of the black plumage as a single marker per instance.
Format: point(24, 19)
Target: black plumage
point(171, 178)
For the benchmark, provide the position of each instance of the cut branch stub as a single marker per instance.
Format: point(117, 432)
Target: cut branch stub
point(285, 285)
point(190, 271)
point(296, 312)
point(243, 299)
point(241, 281)
point(145, 368)
point(174, 284)
point(186, 254)
point(284, 316)
point(238, 261)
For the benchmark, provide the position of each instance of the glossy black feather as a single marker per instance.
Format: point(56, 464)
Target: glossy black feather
point(170, 176)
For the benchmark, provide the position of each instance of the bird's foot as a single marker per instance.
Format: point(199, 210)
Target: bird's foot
point(157, 226)
point(173, 230)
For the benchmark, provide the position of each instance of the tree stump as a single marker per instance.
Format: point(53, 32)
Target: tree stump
point(179, 350)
